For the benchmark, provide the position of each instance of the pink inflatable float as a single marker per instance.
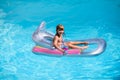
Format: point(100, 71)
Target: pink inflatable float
point(42, 50)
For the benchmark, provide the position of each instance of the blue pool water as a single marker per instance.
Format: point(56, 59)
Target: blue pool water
point(82, 19)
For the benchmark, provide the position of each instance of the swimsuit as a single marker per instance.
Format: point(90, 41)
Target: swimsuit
point(64, 46)
point(61, 46)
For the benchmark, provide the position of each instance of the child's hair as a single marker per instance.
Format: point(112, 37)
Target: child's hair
point(59, 27)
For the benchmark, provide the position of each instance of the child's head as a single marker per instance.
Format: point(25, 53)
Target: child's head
point(59, 29)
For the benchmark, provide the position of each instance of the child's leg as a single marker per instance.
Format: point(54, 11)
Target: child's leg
point(78, 47)
point(75, 43)
point(75, 47)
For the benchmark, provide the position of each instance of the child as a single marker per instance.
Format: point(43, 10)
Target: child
point(59, 44)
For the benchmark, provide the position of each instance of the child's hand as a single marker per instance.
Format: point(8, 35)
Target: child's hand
point(65, 52)
point(86, 43)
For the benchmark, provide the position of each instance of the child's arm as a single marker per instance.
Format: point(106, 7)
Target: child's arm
point(55, 44)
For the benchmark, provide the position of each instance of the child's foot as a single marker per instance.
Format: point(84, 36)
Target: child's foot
point(80, 51)
point(83, 48)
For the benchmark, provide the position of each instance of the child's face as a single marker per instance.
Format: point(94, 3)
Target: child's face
point(60, 31)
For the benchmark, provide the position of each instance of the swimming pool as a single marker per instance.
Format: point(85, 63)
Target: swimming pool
point(82, 19)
